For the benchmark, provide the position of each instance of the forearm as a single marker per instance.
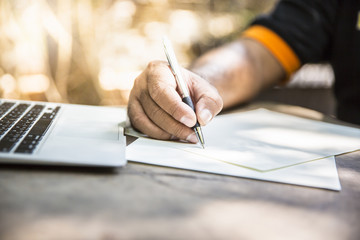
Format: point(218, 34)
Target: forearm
point(239, 70)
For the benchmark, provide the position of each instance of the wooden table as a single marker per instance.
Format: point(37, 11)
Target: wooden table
point(148, 202)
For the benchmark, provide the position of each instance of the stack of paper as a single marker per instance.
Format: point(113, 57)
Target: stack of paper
point(258, 144)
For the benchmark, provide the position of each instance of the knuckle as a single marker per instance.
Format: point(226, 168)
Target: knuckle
point(139, 87)
point(154, 64)
point(137, 80)
point(137, 83)
point(155, 91)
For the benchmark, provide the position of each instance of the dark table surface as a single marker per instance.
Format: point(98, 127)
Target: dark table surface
point(147, 202)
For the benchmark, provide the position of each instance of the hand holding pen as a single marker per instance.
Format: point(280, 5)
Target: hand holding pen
point(184, 92)
point(156, 108)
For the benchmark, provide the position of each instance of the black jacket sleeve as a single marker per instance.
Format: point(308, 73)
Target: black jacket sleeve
point(306, 25)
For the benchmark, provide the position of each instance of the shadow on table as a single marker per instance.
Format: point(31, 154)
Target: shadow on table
point(64, 169)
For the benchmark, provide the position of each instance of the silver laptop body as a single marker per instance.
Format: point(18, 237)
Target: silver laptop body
point(61, 134)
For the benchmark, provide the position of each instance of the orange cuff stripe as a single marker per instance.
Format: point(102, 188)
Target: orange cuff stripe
point(276, 45)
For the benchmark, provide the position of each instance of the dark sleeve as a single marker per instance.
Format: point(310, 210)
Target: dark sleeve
point(306, 25)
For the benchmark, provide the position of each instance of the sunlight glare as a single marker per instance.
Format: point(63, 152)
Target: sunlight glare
point(114, 80)
point(184, 26)
point(7, 83)
point(221, 26)
point(34, 83)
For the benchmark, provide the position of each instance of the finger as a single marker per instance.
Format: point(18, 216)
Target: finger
point(208, 102)
point(165, 121)
point(162, 89)
point(141, 122)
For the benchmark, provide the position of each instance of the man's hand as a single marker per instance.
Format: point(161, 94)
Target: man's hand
point(156, 109)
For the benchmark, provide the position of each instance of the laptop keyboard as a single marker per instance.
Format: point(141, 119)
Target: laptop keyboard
point(22, 126)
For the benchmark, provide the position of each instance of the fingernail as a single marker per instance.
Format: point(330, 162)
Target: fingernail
point(205, 116)
point(187, 121)
point(192, 138)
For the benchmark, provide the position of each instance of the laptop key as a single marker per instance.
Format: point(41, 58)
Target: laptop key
point(18, 130)
point(29, 143)
point(4, 107)
point(10, 118)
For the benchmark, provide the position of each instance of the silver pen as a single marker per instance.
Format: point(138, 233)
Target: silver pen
point(184, 92)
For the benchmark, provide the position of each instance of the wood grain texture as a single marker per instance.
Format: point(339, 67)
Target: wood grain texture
point(148, 202)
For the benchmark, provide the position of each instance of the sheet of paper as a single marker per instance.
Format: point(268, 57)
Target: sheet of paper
point(265, 140)
point(320, 173)
point(258, 140)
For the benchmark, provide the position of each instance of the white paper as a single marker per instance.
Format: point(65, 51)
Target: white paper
point(258, 144)
point(320, 173)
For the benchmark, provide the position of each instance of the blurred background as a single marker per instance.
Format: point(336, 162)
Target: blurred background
point(90, 52)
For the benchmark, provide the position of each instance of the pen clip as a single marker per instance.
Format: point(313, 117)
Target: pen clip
point(174, 66)
point(171, 68)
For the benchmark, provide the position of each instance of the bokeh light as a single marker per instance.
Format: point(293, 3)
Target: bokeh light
point(90, 52)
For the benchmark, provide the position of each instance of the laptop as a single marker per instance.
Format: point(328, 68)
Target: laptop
point(61, 134)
